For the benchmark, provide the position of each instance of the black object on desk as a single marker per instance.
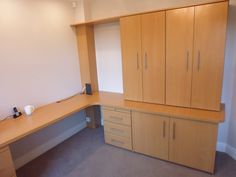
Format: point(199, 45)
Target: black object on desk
point(88, 89)
point(16, 113)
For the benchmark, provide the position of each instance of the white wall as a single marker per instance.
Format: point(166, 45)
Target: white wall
point(38, 65)
point(38, 55)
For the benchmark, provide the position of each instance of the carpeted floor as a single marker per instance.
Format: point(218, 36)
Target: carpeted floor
point(86, 155)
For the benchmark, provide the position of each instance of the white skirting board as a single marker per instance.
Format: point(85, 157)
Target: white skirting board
point(223, 147)
point(19, 162)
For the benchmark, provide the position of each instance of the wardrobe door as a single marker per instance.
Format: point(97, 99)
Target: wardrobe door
point(179, 46)
point(131, 57)
point(153, 53)
point(209, 51)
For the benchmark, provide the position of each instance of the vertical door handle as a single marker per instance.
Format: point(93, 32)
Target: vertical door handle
point(198, 60)
point(187, 60)
point(174, 126)
point(137, 61)
point(164, 129)
point(145, 58)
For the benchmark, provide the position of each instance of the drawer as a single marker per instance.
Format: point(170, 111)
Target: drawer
point(117, 129)
point(116, 109)
point(117, 117)
point(118, 141)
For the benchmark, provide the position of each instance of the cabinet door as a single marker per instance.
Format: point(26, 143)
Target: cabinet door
point(193, 144)
point(131, 57)
point(150, 134)
point(179, 46)
point(6, 164)
point(209, 47)
point(153, 53)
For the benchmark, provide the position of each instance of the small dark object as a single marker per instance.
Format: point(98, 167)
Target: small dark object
point(88, 89)
point(16, 113)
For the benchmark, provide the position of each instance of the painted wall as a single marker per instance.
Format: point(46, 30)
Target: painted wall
point(107, 36)
point(38, 65)
point(38, 55)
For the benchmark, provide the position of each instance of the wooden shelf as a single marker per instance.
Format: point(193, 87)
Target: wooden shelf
point(117, 18)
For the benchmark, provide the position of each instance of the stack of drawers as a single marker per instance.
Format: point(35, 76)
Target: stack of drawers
point(117, 127)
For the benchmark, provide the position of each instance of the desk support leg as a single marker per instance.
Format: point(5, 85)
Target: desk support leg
point(94, 113)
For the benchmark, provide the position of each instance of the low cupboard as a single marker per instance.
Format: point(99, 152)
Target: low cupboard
point(180, 140)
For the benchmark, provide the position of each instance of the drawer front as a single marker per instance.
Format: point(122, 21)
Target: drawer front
point(118, 141)
point(117, 129)
point(117, 117)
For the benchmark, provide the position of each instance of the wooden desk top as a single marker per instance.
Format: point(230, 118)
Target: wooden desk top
point(14, 129)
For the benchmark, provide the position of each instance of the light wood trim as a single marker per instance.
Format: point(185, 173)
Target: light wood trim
point(117, 129)
point(193, 144)
point(179, 47)
point(87, 57)
point(117, 117)
point(209, 53)
point(14, 129)
point(153, 57)
point(130, 28)
point(118, 141)
point(150, 134)
point(116, 18)
point(6, 164)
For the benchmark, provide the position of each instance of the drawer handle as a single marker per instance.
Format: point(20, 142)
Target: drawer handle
point(116, 141)
point(174, 126)
point(116, 130)
point(116, 118)
point(164, 129)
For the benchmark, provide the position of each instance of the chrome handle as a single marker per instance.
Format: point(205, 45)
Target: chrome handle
point(164, 129)
point(116, 141)
point(187, 59)
point(198, 60)
point(174, 130)
point(116, 118)
point(145, 58)
point(117, 130)
point(137, 61)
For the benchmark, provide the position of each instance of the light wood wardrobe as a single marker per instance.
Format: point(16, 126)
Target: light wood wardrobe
point(143, 52)
point(175, 57)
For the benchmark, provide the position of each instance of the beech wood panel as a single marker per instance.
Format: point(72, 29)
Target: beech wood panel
point(179, 47)
point(117, 129)
point(193, 144)
point(119, 141)
point(209, 51)
point(130, 28)
point(13, 129)
point(153, 54)
point(117, 117)
point(150, 134)
point(6, 164)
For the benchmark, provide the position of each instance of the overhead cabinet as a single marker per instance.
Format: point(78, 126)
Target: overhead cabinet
point(175, 57)
point(143, 53)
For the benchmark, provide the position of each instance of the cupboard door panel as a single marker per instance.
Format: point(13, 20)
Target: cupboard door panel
point(179, 46)
point(131, 57)
point(153, 53)
point(193, 144)
point(209, 47)
point(150, 134)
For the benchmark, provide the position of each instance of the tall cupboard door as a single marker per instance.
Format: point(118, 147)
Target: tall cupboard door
point(179, 47)
point(150, 134)
point(131, 57)
point(209, 47)
point(153, 53)
point(193, 143)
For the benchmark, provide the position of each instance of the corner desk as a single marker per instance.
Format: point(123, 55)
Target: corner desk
point(181, 135)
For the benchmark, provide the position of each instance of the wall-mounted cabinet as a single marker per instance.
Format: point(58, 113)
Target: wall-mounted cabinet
point(175, 56)
point(143, 53)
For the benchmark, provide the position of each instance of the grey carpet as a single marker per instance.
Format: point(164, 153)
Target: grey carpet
point(86, 155)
